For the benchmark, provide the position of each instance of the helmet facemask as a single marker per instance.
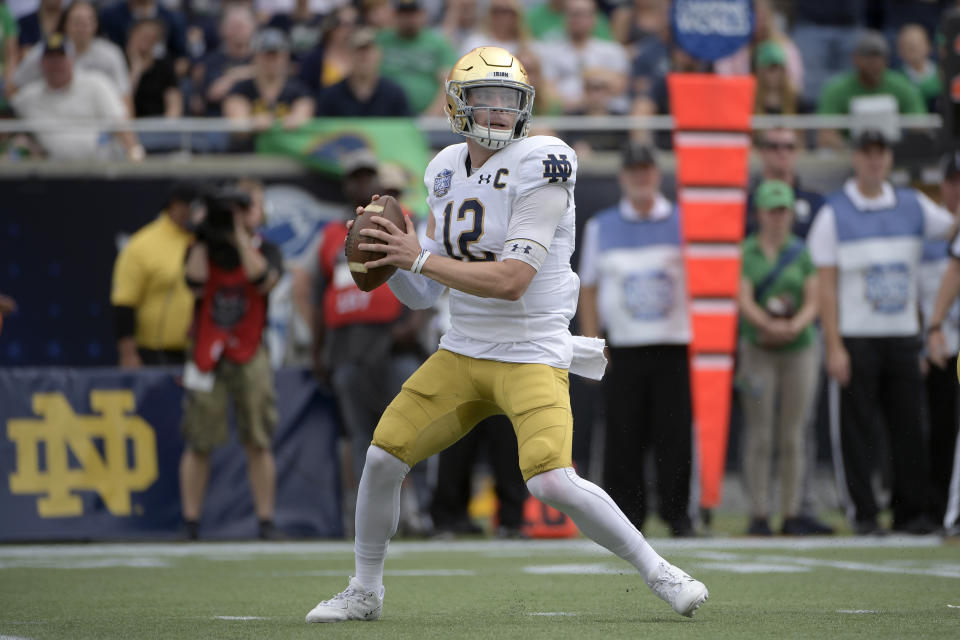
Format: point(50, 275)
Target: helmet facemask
point(492, 112)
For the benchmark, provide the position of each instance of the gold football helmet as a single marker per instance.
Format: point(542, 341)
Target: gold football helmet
point(489, 82)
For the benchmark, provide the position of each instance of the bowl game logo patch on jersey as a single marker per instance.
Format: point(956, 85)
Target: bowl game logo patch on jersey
point(441, 183)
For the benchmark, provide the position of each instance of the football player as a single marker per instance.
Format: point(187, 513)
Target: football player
point(500, 236)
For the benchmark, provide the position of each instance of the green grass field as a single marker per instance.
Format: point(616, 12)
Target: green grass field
point(781, 588)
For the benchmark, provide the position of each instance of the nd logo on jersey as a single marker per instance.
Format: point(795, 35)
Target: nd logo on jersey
point(111, 473)
point(557, 169)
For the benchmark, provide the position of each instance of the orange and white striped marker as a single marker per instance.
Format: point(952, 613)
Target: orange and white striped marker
point(712, 144)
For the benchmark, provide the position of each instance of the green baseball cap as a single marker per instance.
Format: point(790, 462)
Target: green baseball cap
point(773, 194)
point(769, 53)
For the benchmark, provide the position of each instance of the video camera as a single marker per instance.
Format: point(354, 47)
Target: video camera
point(214, 225)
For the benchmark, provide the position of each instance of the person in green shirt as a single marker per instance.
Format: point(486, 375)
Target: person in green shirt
point(547, 21)
point(417, 58)
point(8, 51)
point(779, 359)
point(870, 76)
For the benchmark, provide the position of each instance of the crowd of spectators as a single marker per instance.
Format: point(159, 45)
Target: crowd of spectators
point(168, 58)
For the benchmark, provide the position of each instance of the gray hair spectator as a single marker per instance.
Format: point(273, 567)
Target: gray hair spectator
point(91, 52)
point(219, 70)
point(65, 94)
point(502, 27)
point(867, 242)
point(913, 48)
point(779, 360)
point(565, 59)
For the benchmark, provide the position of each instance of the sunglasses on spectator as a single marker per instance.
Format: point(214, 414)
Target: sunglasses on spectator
point(785, 146)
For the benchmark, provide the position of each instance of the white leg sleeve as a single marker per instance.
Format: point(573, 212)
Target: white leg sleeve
point(378, 513)
point(597, 516)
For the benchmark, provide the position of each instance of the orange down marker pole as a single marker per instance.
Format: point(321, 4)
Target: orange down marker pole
point(712, 144)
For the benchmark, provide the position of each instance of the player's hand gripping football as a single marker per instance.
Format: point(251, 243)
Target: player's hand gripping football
point(402, 246)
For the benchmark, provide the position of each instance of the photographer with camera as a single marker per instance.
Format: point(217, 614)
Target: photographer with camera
point(779, 359)
point(231, 270)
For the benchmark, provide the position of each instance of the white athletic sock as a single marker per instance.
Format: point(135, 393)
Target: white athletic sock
point(597, 516)
point(378, 513)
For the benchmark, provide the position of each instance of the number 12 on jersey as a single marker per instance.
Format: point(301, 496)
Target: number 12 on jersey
point(473, 207)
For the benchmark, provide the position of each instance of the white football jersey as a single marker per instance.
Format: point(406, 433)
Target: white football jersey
point(472, 215)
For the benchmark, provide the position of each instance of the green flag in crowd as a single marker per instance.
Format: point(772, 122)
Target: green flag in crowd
point(320, 144)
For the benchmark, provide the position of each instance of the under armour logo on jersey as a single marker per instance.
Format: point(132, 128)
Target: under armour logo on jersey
point(485, 179)
point(557, 169)
point(517, 249)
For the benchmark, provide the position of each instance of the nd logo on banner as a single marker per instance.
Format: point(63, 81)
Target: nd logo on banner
point(108, 470)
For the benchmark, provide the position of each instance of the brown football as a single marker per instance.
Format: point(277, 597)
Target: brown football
point(368, 280)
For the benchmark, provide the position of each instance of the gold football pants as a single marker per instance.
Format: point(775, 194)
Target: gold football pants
point(450, 393)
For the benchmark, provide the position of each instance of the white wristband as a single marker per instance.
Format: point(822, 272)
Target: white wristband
point(418, 263)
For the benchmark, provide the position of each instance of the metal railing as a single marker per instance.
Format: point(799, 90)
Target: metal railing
point(440, 124)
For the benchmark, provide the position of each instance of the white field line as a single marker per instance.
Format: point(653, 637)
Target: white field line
point(240, 618)
point(551, 613)
point(726, 561)
point(858, 611)
point(61, 562)
point(576, 569)
point(753, 567)
point(403, 573)
point(581, 545)
point(868, 567)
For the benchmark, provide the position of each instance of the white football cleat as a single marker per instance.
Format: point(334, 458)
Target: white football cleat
point(679, 590)
point(353, 603)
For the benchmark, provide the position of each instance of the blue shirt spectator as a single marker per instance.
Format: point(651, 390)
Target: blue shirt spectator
point(302, 26)
point(363, 92)
point(116, 19)
point(35, 26)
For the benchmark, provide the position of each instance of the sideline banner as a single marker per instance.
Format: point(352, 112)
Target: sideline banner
point(711, 29)
point(93, 454)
